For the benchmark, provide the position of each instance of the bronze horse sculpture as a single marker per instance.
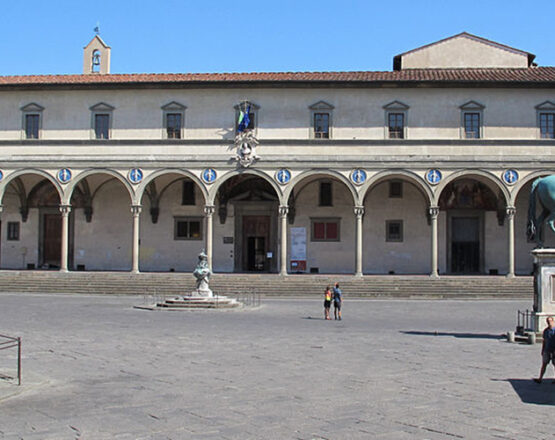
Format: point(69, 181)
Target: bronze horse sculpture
point(544, 189)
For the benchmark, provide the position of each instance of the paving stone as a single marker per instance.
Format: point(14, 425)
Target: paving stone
point(95, 368)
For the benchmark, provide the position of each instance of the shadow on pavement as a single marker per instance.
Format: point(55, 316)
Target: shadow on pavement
point(532, 392)
point(455, 335)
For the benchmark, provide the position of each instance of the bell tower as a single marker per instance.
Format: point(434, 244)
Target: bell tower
point(96, 57)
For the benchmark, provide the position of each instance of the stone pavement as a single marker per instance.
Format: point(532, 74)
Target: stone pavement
point(95, 368)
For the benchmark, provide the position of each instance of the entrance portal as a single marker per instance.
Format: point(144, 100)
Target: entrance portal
point(51, 240)
point(256, 237)
point(465, 244)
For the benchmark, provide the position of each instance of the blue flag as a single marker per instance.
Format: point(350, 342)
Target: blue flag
point(244, 120)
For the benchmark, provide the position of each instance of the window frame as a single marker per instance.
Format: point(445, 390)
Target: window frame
point(396, 107)
point(101, 109)
point(194, 193)
point(31, 109)
point(317, 108)
point(325, 220)
point(320, 184)
point(188, 219)
point(173, 107)
point(546, 107)
point(254, 110)
point(391, 193)
point(469, 108)
point(13, 231)
point(388, 237)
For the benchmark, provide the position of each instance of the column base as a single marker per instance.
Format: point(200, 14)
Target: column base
point(63, 271)
point(434, 275)
point(135, 271)
point(510, 275)
point(358, 274)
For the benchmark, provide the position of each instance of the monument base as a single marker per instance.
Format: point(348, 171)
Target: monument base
point(544, 287)
point(193, 302)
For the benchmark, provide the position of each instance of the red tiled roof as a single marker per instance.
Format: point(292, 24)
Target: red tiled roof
point(500, 75)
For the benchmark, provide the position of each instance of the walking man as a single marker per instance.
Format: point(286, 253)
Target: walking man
point(548, 348)
point(337, 301)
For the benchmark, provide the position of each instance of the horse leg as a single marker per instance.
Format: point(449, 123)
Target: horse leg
point(540, 235)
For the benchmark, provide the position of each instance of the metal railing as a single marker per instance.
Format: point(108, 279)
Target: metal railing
point(12, 342)
point(249, 299)
point(523, 321)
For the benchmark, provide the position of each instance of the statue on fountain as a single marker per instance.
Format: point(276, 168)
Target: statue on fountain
point(202, 273)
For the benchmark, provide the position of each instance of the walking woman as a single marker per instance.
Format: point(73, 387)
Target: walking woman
point(327, 303)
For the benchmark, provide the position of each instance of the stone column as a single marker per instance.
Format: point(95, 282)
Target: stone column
point(65, 210)
point(433, 211)
point(283, 211)
point(136, 211)
point(359, 213)
point(510, 212)
point(208, 214)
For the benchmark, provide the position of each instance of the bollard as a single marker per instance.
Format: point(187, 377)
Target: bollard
point(511, 337)
point(531, 338)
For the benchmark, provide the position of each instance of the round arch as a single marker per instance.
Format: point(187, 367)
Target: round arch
point(5, 183)
point(139, 193)
point(469, 174)
point(522, 183)
point(86, 173)
point(214, 189)
point(409, 176)
point(326, 173)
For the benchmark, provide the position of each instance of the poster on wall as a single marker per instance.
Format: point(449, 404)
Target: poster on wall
point(298, 249)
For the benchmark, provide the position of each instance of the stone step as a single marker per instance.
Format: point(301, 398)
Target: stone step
point(386, 286)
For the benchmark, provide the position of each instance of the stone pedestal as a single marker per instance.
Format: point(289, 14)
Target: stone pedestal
point(544, 287)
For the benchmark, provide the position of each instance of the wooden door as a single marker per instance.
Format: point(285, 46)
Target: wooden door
point(52, 239)
point(256, 237)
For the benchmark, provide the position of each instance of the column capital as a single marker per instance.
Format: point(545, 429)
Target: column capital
point(65, 209)
point(433, 211)
point(209, 210)
point(359, 211)
point(136, 209)
point(510, 211)
point(283, 210)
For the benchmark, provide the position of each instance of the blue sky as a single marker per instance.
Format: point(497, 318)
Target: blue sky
point(43, 37)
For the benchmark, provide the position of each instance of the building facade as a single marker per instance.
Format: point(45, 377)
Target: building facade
point(425, 169)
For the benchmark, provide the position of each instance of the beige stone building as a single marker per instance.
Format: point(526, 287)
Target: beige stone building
point(425, 169)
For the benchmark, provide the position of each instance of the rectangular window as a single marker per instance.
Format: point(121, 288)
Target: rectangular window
point(325, 229)
point(472, 125)
point(321, 125)
point(546, 125)
point(32, 126)
point(173, 125)
point(394, 230)
point(396, 123)
point(325, 197)
point(395, 190)
point(13, 231)
point(102, 126)
point(188, 196)
point(187, 228)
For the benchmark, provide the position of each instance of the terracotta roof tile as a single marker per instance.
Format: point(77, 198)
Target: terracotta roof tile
point(501, 75)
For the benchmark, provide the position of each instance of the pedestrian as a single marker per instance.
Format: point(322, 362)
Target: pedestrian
point(548, 348)
point(337, 301)
point(327, 303)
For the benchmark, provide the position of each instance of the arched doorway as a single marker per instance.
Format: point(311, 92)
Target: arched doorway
point(246, 226)
point(31, 226)
point(172, 223)
point(100, 203)
point(473, 227)
point(396, 226)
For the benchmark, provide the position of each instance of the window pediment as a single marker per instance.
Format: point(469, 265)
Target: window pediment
point(101, 107)
point(321, 105)
point(472, 105)
point(32, 107)
point(244, 104)
point(546, 105)
point(396, 105)
point(175, 106)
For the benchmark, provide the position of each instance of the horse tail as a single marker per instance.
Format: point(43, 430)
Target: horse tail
point(531, 225)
